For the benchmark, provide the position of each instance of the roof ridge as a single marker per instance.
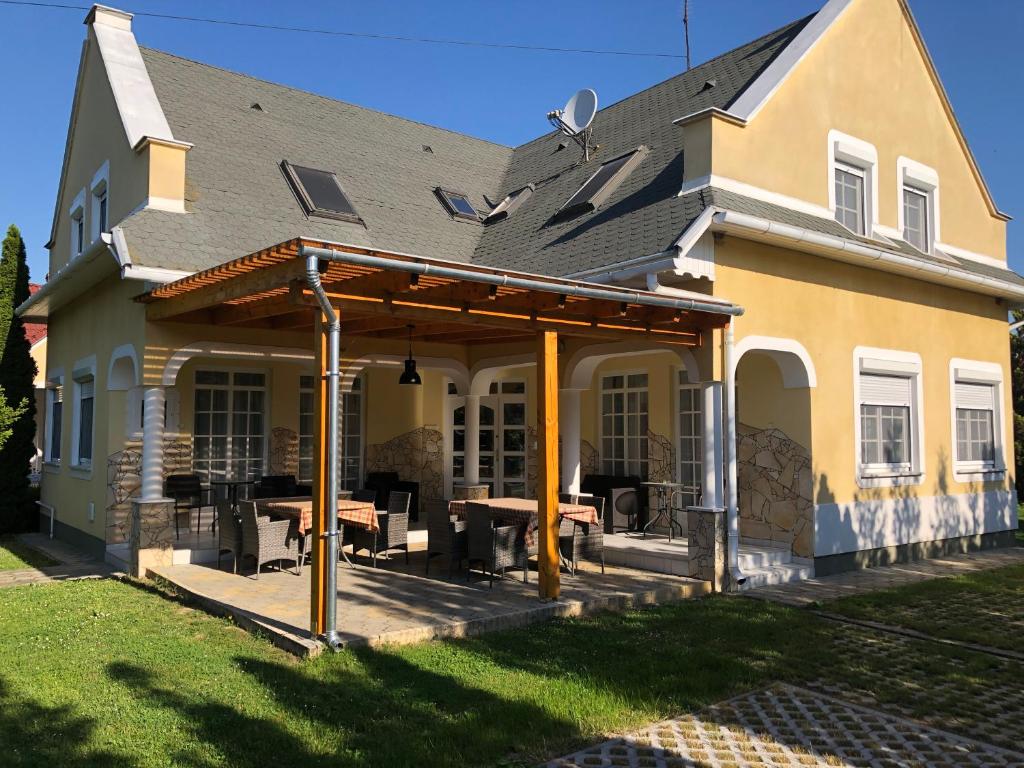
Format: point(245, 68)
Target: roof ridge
point(293, 89)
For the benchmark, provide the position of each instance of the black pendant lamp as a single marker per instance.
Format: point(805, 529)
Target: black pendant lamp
point(409, 375)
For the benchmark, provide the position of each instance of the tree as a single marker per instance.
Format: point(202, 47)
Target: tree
point(1017, 379)
point(17, 374)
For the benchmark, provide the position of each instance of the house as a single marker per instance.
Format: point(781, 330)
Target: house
point(779, 285)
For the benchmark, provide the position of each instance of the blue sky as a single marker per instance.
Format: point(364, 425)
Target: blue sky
point(500, 95)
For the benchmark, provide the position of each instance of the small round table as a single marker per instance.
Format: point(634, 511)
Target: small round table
point(664, 491)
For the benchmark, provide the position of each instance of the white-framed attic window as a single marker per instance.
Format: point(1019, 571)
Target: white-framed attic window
point(853, 183)
point(77, 225)
point(888, 417)
point(918, 208)
point(99, 207)
point(978, 423)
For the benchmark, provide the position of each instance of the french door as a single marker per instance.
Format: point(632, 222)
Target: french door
point(229, 436)
point(503, 439)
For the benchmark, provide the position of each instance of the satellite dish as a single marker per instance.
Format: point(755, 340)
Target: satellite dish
point(580, 110)
point(574, 121)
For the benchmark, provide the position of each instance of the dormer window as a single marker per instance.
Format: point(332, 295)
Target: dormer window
point(919, 204)
point(915, 218)
point(320, 193)
point(853, 183)
point(457, 204)
point(601, 184)
point(850, 199)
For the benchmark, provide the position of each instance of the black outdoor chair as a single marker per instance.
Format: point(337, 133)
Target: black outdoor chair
point(230, 534)
point(394, 529)
point(582, 541)
point(496, 547)
point(367, 495)
point(188, 494)
point(446, 536)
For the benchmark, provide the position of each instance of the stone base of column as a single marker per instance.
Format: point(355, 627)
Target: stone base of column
point(708, 545)
point(152, 535)
point(470, 492)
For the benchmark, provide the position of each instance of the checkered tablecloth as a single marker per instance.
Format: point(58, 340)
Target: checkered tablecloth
point(524, 513)
point(361, 514)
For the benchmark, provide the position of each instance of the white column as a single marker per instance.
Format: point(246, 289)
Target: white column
point(153, 444)
point(472, 450)
point(733, 520)
point(569, 426)
point(711, 416)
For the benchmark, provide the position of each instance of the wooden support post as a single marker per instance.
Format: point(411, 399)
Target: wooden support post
point(547, 464)
point(318, 566)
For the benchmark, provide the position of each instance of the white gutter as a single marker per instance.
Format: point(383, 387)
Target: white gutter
point(842, 249)
point(65, 273)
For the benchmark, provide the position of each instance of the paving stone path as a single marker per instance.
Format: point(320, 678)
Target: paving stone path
point(71, 564)
point(789, 726)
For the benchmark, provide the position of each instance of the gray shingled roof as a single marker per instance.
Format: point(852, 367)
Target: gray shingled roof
point(238, 200)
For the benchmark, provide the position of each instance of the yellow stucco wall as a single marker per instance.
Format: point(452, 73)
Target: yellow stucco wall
point(865, 78)
point(787, 295)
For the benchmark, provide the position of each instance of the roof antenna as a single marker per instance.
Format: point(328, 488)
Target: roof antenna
point(686, 30)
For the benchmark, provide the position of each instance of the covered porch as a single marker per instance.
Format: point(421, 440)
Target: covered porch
point(492, 348)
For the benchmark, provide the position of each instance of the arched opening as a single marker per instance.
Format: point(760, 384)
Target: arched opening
point(773, 449)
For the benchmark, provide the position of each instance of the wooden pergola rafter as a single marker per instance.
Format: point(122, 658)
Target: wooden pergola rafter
point(385, 295)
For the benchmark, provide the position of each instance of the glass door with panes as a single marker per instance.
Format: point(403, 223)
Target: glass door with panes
point(229, 437)
point(503, 445)
point(691, 453)
point(624, 424)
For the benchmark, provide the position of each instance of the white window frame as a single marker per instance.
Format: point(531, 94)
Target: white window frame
point(347, 395)
point(625, 374)
point(77, 242)
point(924, 180)
point(849, 153)
point(889, 362)
point(978, 372)
point(99, 188)
point(84, 371)
point(230, 388)
point(53, 381)
point(697, 461)
point(311, 391)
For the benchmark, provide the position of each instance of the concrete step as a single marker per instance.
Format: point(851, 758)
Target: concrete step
point(754, 557)
point(118, 555)
point(776, 574)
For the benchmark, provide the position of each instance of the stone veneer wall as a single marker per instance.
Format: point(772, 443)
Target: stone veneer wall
point(284, 451)
point(775, 489)
point(417, 455)
point(123, 480)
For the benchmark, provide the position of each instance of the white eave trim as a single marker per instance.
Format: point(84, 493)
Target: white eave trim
point(131, 271)
point(842, 249)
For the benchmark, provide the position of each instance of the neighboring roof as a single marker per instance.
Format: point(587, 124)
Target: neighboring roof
point(34, 332)
point(238, 200)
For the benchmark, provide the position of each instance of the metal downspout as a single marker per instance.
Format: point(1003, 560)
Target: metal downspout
point(736, 576)
point(333, 355)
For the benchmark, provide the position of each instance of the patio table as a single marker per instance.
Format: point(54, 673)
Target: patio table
point(524, 513)
point(358, 513)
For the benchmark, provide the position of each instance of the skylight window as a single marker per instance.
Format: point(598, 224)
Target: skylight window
point(599, 187)
point(507, 207)
point(320, 193)
point(458, 204)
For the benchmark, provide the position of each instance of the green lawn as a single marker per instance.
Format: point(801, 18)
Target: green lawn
point(105, 673)
point(15, 556)
point(984, 607)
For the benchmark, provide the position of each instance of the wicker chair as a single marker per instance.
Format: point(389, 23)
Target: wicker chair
point(230, 535)
point(445, 536)
point(582, 541)
point(496, 547)
point(268, 540)
point(394, 529)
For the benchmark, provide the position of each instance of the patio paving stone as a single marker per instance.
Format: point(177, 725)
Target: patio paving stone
point(396, 603)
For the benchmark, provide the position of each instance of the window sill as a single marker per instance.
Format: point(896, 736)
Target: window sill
point(888, 479)
point(51, 467)
point(81, 472)
point(969, 474)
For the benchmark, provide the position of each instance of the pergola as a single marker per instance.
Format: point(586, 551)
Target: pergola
point(385, 295)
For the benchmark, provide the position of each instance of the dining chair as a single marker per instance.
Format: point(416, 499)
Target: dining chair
point(393, 532)
point(496, 547)
point(267, 540)
point(583, 541)
point(445, 536)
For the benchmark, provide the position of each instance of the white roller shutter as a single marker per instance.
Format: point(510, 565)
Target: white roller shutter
point(979, 397)
point(885, 390)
